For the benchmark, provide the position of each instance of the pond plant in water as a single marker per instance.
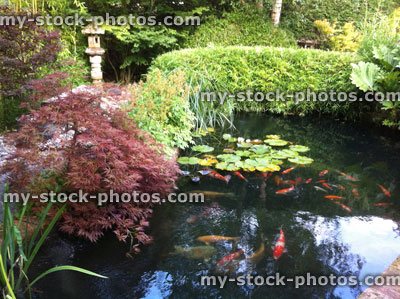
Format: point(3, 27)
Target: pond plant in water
point(21, 239)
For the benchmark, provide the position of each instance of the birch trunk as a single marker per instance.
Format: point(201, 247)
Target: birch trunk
point(276, 12)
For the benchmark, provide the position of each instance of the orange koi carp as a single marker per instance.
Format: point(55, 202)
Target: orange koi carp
point(343, 206)
point(288, 170)
point(284, 191)
point(387, 193)
point(240, 175)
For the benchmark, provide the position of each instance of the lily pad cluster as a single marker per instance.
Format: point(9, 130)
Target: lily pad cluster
point(250, 155)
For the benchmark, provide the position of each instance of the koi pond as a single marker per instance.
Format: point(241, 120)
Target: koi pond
point(335, 217)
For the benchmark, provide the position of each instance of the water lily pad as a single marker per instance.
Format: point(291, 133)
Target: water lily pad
point(245, 145)
point(229, 158)
point(209, 156)
point(221, 165)
point(284, 154)
point(188, 160)
point(276, 142)
point(226, 136)
point(228, 150)
point(207, 162)
point(273, 137)
point(299, 148)
point(260, 149)
point(269, 167)
point(301, 160)
point(242, 153)
point(202, 148)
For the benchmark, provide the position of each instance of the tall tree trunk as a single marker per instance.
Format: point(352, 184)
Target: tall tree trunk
point(276, 12)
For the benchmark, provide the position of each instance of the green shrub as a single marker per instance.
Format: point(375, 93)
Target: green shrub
point(298, 15)
point(262, 69)
point(159, 105)
point(242, 27)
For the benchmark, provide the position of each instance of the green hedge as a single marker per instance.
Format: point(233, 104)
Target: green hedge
point(261, 69)
point(241, 27)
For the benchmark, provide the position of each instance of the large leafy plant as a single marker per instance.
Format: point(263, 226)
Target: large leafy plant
point(381, 75)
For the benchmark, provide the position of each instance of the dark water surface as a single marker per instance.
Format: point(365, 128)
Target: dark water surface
point(321, 237)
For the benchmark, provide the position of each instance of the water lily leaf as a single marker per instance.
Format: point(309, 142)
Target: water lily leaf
point(207, 162)
point(273, 137)
point(242, 153)
point(232, 167)
point(299, 148)
point(301, 160)
point(226, 136)
point(229, 158)
point(276, 142)
point(188, 160)
point(269, 167)
point(228, 150)
point(250, 163)
point(221, 165)
point(245, 145)
point(260, 149)
point(202, 148)
point(284, 154)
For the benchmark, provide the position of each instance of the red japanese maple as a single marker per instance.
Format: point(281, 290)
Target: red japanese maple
point(73, 140)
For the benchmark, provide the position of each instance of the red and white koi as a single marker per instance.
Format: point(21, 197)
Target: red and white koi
point(230, 257)
point(279, 247)
point(346, 176)
point(308, 181)
point(382, 204)
point(323, 172)
point(327, 186)
point(216, 175)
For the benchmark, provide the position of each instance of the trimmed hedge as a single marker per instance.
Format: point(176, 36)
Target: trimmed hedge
point(263, 69)
point(241, 27)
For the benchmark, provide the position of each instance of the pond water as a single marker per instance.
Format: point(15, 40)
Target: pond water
point(322, 238)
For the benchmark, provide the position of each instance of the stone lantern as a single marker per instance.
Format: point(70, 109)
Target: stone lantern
point(95, 51)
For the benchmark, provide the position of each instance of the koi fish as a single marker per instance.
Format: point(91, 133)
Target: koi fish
point(185, 172)
point(320, 189)
point(382, 204)
point(256, 141)
point(240, 175)
point(341, 187)
point(327, 186)
point(355, 192)
point(214, 239)
point(279, 247)
point(296, 182)
point(387, 193)
point(343, 206)
point(230, 257)
point(199, 252)
point(216, 175)
point(323, 172)
point(321, 181)
point(288, 170)
point(346, 176)
point(204, 172)
point(334, 197)
point(284, 191)
point(308, 181)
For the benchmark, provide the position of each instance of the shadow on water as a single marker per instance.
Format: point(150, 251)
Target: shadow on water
point(321, 237)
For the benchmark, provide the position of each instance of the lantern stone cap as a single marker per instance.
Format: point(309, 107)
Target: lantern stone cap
point(90, 29)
